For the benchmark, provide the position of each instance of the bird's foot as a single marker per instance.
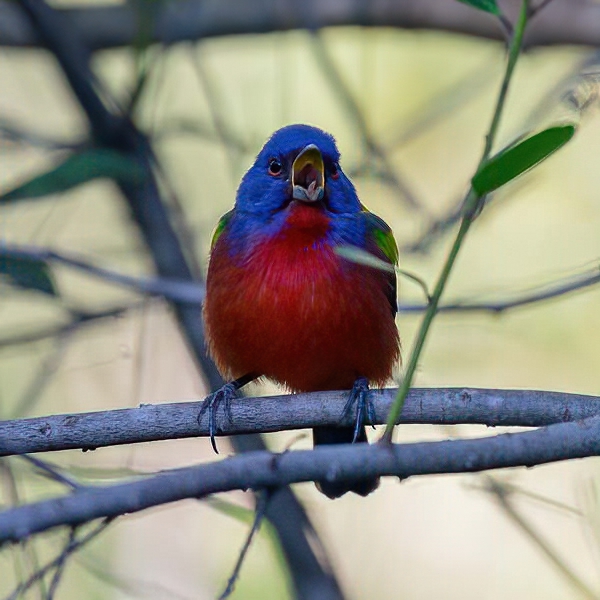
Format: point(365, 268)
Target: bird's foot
point(223, 396)
point(365, 410)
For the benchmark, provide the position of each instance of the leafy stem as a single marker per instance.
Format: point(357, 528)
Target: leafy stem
point(472, 203)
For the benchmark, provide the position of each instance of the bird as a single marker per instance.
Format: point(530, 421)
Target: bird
point(283, 303)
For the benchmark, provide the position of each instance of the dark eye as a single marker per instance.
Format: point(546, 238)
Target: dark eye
point(334, 172)
point(275, 167)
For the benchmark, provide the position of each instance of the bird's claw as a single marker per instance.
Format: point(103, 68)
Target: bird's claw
point(365, 410)
point(224, 395)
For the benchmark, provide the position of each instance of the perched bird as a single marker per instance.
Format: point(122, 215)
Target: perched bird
point(281, 303)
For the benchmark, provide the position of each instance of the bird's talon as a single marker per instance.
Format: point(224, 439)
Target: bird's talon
point(371, 412)
point(211, 404)
point(365, 410)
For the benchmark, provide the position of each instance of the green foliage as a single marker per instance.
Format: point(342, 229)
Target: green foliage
point(520, 157)
point(486, 5)
point(27, 273)
point(78, 169)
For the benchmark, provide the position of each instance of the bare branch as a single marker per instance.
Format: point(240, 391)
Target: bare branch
point(503, 497)
point(179, 291)
point(11, 133)
point(441, 406)
point(547, 292)
point(79, 319)
point(52, 471)
point(562, 22)
point(259, 470)
point(262, 501)
point(58, 563)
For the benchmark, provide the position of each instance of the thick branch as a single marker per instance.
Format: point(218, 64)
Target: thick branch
point(256, 470)
point(562, 22)
point(443, 406)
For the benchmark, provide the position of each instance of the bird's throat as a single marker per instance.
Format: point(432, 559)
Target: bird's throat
point(305, 224)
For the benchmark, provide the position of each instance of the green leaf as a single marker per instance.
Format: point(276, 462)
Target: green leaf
point(486, 5)
point(362, 257)
point(27, 273)
point(518, 158)
point(77, 169)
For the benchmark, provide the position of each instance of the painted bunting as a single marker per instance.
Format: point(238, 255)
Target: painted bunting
point(281, 303)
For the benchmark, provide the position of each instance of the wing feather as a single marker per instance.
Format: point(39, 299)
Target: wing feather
point(379, 232)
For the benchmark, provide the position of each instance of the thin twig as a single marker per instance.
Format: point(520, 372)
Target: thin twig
point(261, 507)
point(533, 10)
point(445, 103)
point(502, 495)
point(27, 549)
point(52, 471)
point(79, 319)
point(557, 289)
point(60, 567)
point(72, 546)
point(17, 135)
point(177, 290)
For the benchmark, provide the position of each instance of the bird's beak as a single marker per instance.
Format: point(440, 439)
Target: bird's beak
point(308, 175)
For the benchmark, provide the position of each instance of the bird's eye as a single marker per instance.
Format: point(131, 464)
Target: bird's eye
point(334, 172)
point(275, 167)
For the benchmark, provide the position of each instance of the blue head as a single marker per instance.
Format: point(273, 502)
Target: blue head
point(299, 163)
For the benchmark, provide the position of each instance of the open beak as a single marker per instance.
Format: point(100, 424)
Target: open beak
point(308, 175)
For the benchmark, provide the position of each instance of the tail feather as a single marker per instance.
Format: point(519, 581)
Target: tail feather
point(342, 435)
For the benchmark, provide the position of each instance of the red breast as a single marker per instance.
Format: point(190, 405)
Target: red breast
point(298, 313)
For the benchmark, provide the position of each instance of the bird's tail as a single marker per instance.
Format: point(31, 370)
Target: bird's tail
point(342, 435)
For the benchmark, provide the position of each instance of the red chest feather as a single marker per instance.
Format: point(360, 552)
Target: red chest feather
point(298, 313)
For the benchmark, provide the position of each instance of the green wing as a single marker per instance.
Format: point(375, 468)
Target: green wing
point(223, 221)
point(379, 231)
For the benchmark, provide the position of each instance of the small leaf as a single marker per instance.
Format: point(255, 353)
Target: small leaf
point(27, 273)
point(486, 5)
point(518, 158)
point(362, 257)
point(77, 169)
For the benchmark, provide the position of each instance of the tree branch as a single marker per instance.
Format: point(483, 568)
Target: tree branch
point(573, 22)
point(259, 470)
point(562, 287)
point(188, 292)
point(150, 422)
point(79, 319)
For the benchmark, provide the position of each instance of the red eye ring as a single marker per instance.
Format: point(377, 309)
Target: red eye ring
point(275, 167)
point(334, 172)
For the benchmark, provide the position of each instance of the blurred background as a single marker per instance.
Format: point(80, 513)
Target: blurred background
point(409, 110)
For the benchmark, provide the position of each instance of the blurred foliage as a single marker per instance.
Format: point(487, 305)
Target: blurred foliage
point(75, 170)
point(27, 273)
